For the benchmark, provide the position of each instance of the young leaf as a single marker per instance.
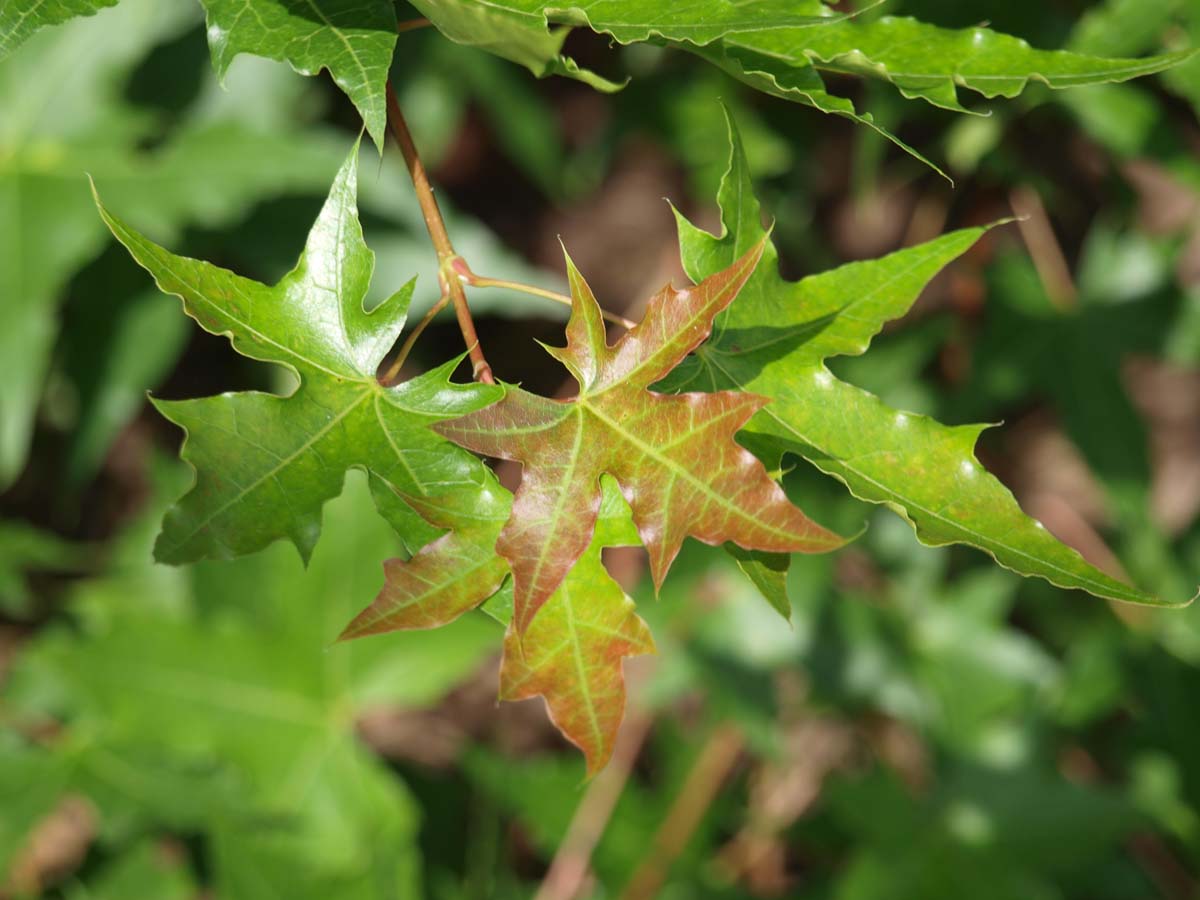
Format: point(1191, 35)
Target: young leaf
point(674, 457)
point(572, 653)
point(773, 342)
point(353, 39)
point(448, 577)
point(266, 464)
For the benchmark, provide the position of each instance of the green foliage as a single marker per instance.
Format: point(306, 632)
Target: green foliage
point(211, 168)
point(21, 18)
point(267, 464)
point(177, 714)
point(774, 343)
point(927, 724)
point(353, 39)
point(782, 48)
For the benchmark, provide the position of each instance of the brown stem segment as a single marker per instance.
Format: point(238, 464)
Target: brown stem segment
point(459, 266)
point(437, 233)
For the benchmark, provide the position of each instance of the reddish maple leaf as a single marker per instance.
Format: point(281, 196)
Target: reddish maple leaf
point(674, 456)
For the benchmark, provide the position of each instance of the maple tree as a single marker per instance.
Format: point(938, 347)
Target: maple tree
point(632, 459)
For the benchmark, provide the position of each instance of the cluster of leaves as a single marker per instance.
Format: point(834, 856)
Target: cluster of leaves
point(203, 700)
point(266, 464)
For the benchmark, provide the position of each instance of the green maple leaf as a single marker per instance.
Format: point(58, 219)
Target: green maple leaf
point(266, 464)
point(774, 341)
point(674, 457)
point(353, 39)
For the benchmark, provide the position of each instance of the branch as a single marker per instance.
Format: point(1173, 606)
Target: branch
point(437, 234)
point(412, 25)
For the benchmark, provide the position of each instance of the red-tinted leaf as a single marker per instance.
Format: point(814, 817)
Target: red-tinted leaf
point(674, 456)
point(572, 654)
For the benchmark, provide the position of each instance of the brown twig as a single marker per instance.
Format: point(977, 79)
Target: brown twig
point(451, 286)
point(703, 781)
point(468, 277)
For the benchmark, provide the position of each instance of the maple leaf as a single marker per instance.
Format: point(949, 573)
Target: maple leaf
point(673, 457)
point(572, 654)
point(265, 464)
point(774, 342)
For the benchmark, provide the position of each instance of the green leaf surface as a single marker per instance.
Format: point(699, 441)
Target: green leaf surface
point(21, 18)
point(931, 63)
point(773, 342)
point(353, 39)
point(206, 681)
point(492, 25)
point(56, 128)
point(266, 464)
point(674, 457)
point(145, 872)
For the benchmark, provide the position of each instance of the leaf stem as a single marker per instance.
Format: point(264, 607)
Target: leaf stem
point(393, 371)
point(451, 286)
point(459, 266)
point(412, 25)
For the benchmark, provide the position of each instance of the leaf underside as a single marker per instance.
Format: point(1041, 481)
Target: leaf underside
point(353, 39)
point(781, 47)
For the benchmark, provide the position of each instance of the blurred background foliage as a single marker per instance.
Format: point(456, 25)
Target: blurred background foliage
point(929, 727)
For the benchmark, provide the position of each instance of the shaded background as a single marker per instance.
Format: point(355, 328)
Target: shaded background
point(930, 726)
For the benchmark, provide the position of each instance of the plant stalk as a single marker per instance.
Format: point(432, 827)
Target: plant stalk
point(436, 226)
